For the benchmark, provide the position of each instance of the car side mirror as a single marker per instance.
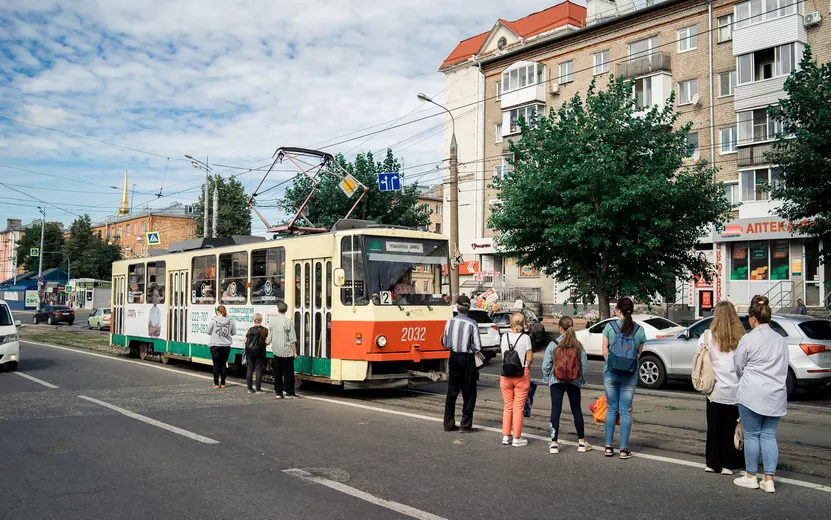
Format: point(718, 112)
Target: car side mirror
point(687, 334)
point(18, 323)
point(339, 276)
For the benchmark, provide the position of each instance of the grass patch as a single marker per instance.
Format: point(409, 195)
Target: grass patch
point(69, 340)
point(672, 408)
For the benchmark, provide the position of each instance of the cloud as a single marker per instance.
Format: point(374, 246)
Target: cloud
point(230, 80)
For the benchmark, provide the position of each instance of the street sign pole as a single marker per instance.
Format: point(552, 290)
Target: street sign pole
point(40, 257)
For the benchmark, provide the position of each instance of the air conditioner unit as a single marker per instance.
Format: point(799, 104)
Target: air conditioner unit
point(554, 88)
point(812, 19)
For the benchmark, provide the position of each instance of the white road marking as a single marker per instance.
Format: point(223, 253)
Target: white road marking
point(36, 380)
point(154, 422)
point(357, 493)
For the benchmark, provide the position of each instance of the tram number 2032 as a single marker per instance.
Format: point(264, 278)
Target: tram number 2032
point(413, 334)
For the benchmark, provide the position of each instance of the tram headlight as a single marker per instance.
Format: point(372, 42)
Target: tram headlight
point(381, 341)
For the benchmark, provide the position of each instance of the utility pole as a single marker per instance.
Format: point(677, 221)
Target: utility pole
point(196, 163)
point(215, 227)
point(41, 285)
point(205, 233)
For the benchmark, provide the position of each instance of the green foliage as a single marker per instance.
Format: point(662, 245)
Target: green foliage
point(600, 196)
point(805, 157)
point(90, 254)
point(234, 212)
point(329, 204)
point(52, 241)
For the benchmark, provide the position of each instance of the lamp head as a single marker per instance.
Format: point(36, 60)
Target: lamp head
point(422, 97)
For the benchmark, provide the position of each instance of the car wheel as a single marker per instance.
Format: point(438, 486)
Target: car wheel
point(35, 320)
point(52, 321)
point(651, 372)
point(11, 366)
point(99, 326)
point(70, 322)
point(791, 384)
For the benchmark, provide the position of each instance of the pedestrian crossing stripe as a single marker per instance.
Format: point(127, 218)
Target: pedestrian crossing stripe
point(153, 238)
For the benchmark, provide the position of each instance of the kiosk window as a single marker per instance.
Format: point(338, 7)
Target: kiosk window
point(204, 279)
point(233, 275)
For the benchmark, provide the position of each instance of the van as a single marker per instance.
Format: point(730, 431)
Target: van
point(9, 340)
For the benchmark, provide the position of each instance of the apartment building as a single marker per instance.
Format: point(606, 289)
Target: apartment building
point(173, 223)
point(8, 248)
point(726, 61)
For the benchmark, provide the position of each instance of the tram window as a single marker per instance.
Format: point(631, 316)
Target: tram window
point(268, 275)
point(203, 289)
point(328, 285)
point(135, 274)
point(352, 261)
point(307, 286)
point(318, 285)
point(233, 275)
point(297, 286)
point(156, 282)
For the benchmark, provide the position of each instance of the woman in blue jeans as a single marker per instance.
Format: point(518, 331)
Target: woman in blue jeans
point(620, 386)
point(761, 362)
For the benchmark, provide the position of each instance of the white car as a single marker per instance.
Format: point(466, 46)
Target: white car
point(9, 340)
point(653, 326)
point(488, 333)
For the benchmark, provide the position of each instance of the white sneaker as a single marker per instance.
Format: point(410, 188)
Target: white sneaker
point(506, 439)
point(553, 448)
point(745, 482)
point(708, 469)
point(767, 486)
point(583, 447)
point(520, 442)
point(725, 471)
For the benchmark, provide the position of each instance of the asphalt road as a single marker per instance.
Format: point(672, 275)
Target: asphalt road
point(116, 438)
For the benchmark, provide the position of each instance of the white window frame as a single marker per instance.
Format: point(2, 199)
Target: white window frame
point(685, 91)
point(498, 132)
point(756, 11)
point(521, 75)
point(725, 28)
point(568, 77)
point(648, 93)
point(438, 209)
point(697, 141)
point(650, 48)
point(772, 127)
point(733, 78)
point(733, 139)
point(499, 90)
point(779, 71)
point(765, 196)
point(601, 62)
point(526, 111)
point(687, 39)
point(735, 195)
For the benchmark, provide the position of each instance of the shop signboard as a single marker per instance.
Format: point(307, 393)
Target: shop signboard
point(763, 228)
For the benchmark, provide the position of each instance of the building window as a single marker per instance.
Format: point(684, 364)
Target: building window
point(601, 62)
point(692, 138)
point(522, 75)
point(643, 92)
point(120, 230)
point(497, 172)
point(426, 288)
point(529, 113)
point(438, 227)
point(566, 72)
point(686, 91)
point(128, 229)
point(755, 11)
point(498, 90)
point(438, 209)
point(755, 183)
point(725, 28)
point(766, 63)
point(756, 126)
point(728, 140)
point(738, 261)
point(643, 47)
point(726, 83)
point(759, 260)
point(731, 192)
point(687, 39)
point(499, 133)
point(144, 227)
point(507, 168)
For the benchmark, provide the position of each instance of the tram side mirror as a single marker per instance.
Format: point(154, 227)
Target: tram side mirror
point(339, 277)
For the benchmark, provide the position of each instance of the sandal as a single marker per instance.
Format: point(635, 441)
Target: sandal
point(625, 453)
point(609, 451)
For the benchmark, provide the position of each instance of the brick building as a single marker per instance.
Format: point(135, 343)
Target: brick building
point(8, 248)
point(173, 224)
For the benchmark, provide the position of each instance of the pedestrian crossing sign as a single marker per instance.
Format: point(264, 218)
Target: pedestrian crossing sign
point(153, 238)
point(34, 252)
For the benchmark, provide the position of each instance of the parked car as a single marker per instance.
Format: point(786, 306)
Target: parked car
point(54, 314)
point(9, 340)
point(809, 348)
point(488, 333)
point(100, 319)
point(653, 326)
point(536, 329)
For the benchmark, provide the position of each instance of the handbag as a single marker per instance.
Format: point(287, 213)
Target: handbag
point(738, 435)
point(479, 359)
point(703, 378)
point(599, 408)
point(244, 359)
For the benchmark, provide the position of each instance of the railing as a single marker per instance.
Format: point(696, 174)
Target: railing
point(753, 155)
point(780, 296)
point(643, 65)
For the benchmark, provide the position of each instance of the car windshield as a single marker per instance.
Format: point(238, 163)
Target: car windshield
point(480, 316)
point(60, 308)
point(403, 271)
point(817, 329)
point(501, 319)
point(661, 323)
point(5, 317)
point(106, 311)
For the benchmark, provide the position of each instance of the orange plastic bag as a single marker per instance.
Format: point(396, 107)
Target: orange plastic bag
point(598, 410)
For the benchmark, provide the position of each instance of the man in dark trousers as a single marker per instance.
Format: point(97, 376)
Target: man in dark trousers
point(461, 338)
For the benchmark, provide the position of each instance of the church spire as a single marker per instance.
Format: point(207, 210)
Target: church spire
point(125, 201)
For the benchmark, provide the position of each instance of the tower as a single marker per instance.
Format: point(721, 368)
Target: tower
point(125, 202)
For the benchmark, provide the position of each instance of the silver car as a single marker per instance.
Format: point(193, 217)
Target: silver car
point(488, 333)
point(808, 339)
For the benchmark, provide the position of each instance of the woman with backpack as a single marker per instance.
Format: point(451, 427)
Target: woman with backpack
point(564, 369)
point(255, 342)
point(761, 362)
point(623, 341)
point(721, 340)
point(515, 381)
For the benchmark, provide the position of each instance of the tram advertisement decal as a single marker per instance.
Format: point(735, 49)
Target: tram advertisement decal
point(200, 319)
point(146, 321)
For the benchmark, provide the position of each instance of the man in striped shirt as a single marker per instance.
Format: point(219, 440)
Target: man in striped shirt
point(461, 338)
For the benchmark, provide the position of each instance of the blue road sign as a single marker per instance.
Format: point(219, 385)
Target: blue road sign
point(389, 181)
point(153, 238)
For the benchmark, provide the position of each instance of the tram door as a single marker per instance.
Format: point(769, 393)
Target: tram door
point(313, 315)
point(118, 299)
point(177, 313)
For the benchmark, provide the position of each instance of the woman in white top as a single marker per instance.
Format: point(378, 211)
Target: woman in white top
point(722, 338)
point(515, 388)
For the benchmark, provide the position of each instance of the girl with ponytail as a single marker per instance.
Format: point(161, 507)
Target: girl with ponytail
point(564, 369)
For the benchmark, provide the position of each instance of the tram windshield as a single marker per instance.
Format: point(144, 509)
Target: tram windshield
point(397, 271)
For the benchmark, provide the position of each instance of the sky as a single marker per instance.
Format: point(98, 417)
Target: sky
point(88, 88)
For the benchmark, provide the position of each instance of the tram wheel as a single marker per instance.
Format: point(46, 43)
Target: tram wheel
point(166, 360)
point(143, 351)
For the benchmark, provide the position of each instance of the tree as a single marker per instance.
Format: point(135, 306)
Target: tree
point(329, 204)
point(600, 196)
point(803, 156)
point(52, 241)
point(90, 255)
point(234, 212)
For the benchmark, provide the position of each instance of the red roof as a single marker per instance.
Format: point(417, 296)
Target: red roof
point(565, 13)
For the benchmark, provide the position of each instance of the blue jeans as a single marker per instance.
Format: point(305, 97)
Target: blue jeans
point(759, 436)
point(620, 392)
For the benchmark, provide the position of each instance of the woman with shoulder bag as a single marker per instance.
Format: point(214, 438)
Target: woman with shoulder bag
point(515, 381)
point(721, 340)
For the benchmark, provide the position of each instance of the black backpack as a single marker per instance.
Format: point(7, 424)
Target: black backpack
point(511, 363)
point(254, 342)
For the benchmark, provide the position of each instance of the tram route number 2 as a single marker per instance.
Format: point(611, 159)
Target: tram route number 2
point(413, 334)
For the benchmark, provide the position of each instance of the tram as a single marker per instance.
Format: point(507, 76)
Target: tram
point(368, 301)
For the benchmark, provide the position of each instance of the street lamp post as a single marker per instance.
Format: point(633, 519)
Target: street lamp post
point(41, 285)
point(196, 163)
point(454, 198)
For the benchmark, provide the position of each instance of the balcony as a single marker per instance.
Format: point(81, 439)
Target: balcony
point(759, 93)
point(523, 95)
point(769, 33)
point(753, 155)
point(643, 65)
